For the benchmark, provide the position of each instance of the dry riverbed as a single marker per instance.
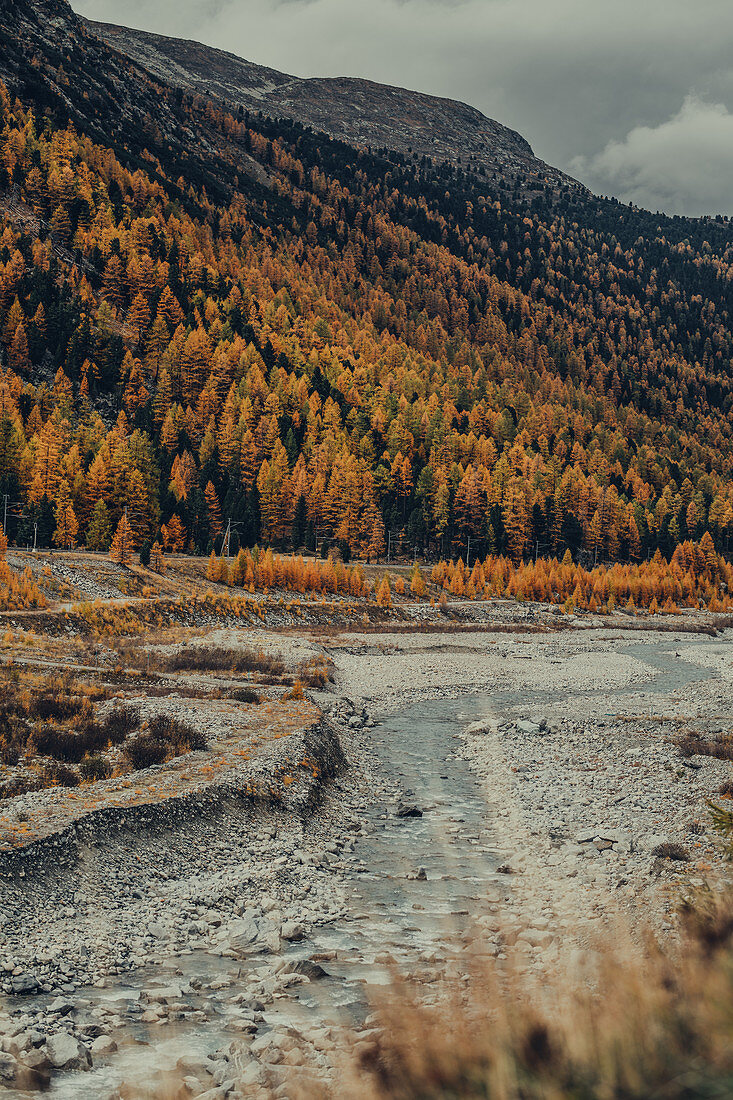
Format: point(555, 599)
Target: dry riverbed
point(217, 922)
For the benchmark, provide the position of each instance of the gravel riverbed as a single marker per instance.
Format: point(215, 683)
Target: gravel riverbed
point(197, 948)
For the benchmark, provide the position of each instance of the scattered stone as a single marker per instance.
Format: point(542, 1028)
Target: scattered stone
point(309, 969)
point(291, 930)
point(25, 983)
point(103, 1045)
point(408, 809)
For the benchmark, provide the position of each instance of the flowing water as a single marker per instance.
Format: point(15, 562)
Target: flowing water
point(414, 886)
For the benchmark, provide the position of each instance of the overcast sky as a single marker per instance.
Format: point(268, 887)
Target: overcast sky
point(634, 97)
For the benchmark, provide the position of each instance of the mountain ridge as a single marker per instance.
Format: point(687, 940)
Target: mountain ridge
point(358, 111)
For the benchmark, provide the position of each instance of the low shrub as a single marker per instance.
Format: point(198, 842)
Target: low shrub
point(179, 735)
point(720, 745)
point(119, 723)
point(245, 695)
point(671, 851)
point(165, 737)
point(49, 707)
point(62, 744)
point(219, 658)
point(93, 768)
point(13, 740)
point(58, 775)
point(144, 751)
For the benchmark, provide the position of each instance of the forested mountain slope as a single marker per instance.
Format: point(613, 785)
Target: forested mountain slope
point(208, 316)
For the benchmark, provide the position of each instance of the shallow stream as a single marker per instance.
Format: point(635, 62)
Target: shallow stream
point(414, 884)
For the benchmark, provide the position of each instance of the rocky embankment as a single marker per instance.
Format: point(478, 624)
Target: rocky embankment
point(219, 875)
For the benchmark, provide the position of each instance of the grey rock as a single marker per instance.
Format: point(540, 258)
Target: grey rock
point(105, 1044)
point(37, 1060)
point(307, 968)
point(25, 983)
point(242, 933)
point(8, 1067)
point(292, 931)
point(66, 1052)
point(168, 994)
point(408, 809)
point(192, 1066)
point(271, 941)
point(585, 836)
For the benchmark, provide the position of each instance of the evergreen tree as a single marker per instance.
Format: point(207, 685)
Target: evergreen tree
point(99, 531)
point(122, 546)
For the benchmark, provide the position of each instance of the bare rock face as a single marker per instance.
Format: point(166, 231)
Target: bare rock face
point(359, 112)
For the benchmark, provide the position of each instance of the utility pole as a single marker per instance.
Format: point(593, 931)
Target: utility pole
point(389, 545)
point(225, 544)
point(5, 514)
point(468, 554)
point(35, 536)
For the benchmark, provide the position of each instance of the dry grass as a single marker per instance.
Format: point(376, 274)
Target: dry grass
point(650, 1028)
point(639, 1025)
point(316, 672)
point(53, 733)
point(200, 658)
point(720, 745)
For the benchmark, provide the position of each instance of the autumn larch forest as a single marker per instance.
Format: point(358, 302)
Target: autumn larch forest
point(363, 343)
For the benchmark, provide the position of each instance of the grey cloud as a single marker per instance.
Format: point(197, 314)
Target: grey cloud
point(683, 166)
point(575, 77)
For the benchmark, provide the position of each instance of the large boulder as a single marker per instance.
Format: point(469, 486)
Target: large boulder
point(25, 983)
point(408, 809)
point(241, 934)
point(66, 1052)
point(309, 969)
